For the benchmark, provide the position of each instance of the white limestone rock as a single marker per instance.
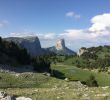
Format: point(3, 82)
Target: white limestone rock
point(23, 98)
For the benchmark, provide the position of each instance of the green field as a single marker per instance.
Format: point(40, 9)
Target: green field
point(74, 73)
point(49, 88)
point(40, 87)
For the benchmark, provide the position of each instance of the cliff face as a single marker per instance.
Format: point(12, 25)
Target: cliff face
point(60, 44)
point(61, 49)
point(81, 51)
point(32, 44)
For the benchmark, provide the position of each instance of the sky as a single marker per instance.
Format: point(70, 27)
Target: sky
point(82, 23)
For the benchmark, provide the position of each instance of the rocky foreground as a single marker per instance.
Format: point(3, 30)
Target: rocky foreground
point(62, 91)
point(5, 96)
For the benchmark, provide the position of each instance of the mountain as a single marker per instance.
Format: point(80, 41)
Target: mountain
point(32, 44)
point(12, 54)
point(61, 49)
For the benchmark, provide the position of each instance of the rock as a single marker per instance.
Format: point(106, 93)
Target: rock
point(81, 51)
point(61, 49)
point(9, 98)
point(60, 44)
point(86, 97)
point(23, 98)
point(2, 94)
point(102, 95)
point(66, 79)
point(32, 44)
point(47, 74)
point(106, 87)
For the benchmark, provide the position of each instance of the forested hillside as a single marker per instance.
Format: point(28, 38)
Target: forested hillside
point(94, 57)
point(11, 53)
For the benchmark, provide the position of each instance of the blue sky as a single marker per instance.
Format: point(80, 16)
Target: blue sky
point(54, 19)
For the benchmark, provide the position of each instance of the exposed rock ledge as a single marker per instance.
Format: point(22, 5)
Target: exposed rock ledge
point(13, 69)
point(5, 96)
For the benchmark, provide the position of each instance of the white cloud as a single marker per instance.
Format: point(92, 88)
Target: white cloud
point(47, 36)
point(21, 34)
point(97, 34)
point(100, 22)
point(3, 23)
point(73, 15)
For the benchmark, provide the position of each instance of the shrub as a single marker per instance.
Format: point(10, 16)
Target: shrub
point(91, 82)
point(57, 74)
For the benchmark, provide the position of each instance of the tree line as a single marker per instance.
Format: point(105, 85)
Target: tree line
point(13, 54)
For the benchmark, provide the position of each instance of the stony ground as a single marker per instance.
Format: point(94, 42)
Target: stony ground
point(63, 91)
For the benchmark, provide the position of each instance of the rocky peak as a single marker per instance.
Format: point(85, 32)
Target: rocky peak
point(81, 51)
point(60, 44)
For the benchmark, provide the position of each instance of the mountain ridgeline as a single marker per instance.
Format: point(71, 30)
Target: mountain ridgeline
point(33, 46)
point(13, 54)
point(17, 51)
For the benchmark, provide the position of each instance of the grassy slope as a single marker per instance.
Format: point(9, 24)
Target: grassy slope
point(61, 90)
point(42, 87)
point(25, 80)
point(62, 94)
point(74, 73)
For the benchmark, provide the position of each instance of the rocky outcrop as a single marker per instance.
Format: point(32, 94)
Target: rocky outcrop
point(61, 49)
point(60, 44)
point(23, 98)
point(81, 51)
point(32, 44)
point(5, 96)
point(2, 94)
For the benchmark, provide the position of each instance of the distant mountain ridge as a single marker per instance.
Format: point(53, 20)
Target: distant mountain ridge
point(33, 46)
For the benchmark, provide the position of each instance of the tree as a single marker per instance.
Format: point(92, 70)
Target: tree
point(41, 64)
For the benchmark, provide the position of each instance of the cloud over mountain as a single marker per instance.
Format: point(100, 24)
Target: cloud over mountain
point(97, 34)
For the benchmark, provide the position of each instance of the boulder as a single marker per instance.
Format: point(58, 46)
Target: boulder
point(9, 98)
point(23, 98)
point(2, 94)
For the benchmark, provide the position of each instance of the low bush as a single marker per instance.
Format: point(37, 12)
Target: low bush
point(91, 82)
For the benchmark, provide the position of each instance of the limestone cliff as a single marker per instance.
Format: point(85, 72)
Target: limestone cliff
point(61, 49)
point(32, 44)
